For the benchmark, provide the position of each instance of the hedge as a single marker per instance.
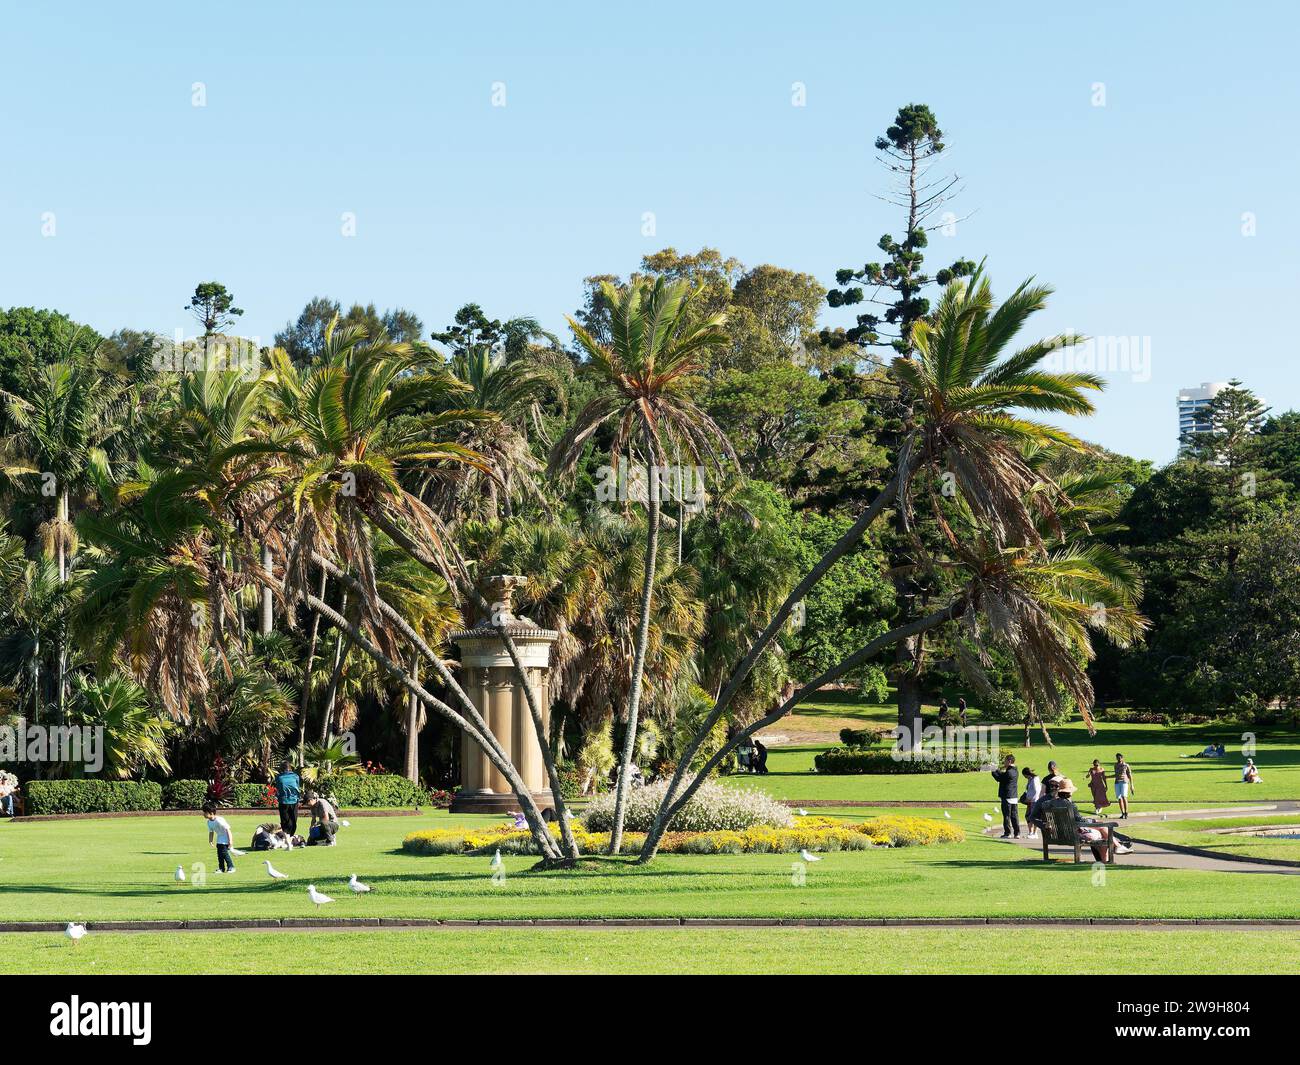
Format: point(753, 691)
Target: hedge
point(860, 737)
point(91, 796)
point(842, 761)
point(375, 789)
point(184, 794)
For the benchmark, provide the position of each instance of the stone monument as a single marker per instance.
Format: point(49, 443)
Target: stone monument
point(490, 680)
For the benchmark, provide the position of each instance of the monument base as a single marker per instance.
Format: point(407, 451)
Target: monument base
point(491, 802)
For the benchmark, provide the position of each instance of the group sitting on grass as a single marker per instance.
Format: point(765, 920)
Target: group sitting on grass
point(1055, 791)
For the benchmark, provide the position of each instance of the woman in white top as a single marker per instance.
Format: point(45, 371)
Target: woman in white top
point(1033, 792)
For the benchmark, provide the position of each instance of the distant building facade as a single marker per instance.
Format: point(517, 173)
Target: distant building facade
point(1191, 400)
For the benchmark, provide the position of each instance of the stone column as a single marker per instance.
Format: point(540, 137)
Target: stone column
point(500, 719)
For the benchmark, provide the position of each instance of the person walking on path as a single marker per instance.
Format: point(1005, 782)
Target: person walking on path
point(1123, 785)
point(1008, 780)
point(288, 789)
point(1097, 785)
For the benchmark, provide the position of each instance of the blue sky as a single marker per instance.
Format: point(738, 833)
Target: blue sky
point(1132, 210)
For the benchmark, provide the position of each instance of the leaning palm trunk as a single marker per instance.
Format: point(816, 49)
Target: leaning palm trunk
point(669, 807)
point(60, 532)
point(465, 586)
point(638, 661)
point(838, 550)
point(336, 677)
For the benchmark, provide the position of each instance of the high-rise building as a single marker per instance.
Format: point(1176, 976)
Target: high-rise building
point(1191, 400)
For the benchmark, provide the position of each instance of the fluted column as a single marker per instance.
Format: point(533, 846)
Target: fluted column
point(500, 697)
point(474, 759)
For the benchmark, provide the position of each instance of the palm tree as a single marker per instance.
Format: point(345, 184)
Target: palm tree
point(510, 393)
point(967, 393)
point(134, 733)
point(59, 424)
point(1040, 605)
point(369, 413)
point(645, 377)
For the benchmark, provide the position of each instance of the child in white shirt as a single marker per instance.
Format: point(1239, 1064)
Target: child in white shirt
point(219, 832)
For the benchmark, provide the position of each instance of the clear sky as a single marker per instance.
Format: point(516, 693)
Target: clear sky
point(1132, 210)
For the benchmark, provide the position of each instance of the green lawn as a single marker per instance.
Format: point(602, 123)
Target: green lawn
point(1162, 778)
point(624, 950)
point(122, 869)
point(1202, 834)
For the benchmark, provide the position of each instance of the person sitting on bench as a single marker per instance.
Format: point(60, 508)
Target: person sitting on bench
point(1094, 837)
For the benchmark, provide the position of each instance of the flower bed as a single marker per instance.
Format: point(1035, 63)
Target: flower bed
point(806, 833)
point(712, 808)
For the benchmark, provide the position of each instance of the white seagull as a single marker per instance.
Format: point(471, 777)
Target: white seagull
point(180, 874)
point(802, 812)
point(807, 857)
point(346, 824)
point(74, 931)
point(496, 860)
point(947, 815)
point(357, 886)
point(988, 817)
point(317, 897)
point(272, 871)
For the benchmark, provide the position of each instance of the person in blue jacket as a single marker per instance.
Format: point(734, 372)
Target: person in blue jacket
point(288, 789)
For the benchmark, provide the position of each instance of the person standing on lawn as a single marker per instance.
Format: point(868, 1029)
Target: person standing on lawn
point(961, 711)
point(1123, 784)
point(1097, 785)
point(1008, 792)
point(288, 790)
point(219, 833)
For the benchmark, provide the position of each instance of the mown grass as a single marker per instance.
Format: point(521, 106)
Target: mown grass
point(1202, 833)
point(1162, 777)
point(123, 869)
point(625, 950)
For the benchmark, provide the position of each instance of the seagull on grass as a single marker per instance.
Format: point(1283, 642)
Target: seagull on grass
point(272, 871)
point(947, 815)
point(316, 897)
point(357, 886)
point(802, 812)
point(988, 817)
point(180, 874)
point(808, 856)
point(74, 931)
point(496, 860)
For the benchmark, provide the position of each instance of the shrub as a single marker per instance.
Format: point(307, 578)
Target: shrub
point(184, 794)
point(251, 796)
point(712, 808)
point(375, 790)
point(843, 761)
point(859, 737)
point(91, 796)
point(1004, 707)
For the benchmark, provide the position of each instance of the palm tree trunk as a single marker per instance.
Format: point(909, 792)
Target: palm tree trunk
point(331, 693)
point(63, 579)
point(267, 620)
point(305, 699)
point(838, 550)
point(413, 727)
point(669, 808)
point(638, 662)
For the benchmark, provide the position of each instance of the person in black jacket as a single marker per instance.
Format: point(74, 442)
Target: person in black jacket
point(1008, 783)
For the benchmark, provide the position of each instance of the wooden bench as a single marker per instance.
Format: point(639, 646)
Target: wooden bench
point(1060, 829)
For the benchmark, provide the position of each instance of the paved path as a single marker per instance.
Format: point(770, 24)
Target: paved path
point(1156, 857)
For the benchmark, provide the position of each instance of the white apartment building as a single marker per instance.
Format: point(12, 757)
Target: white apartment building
point(1190, 400)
